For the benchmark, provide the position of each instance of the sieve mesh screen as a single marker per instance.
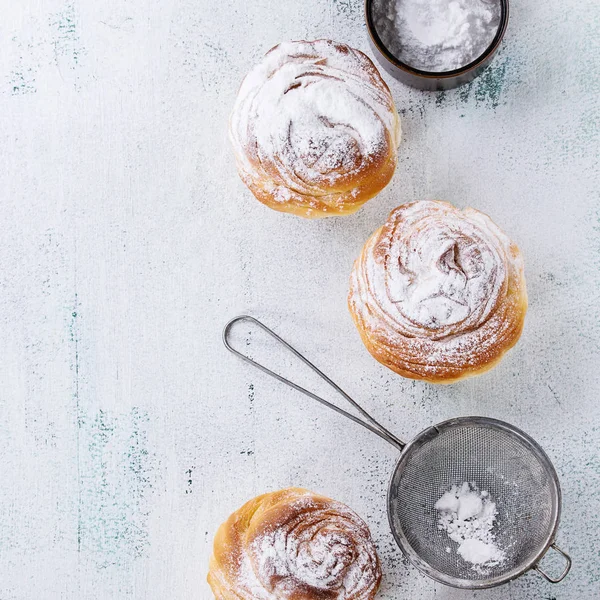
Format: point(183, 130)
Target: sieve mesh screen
point(505, 462)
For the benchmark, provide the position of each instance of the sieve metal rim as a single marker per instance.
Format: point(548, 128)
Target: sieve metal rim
point(413, 556)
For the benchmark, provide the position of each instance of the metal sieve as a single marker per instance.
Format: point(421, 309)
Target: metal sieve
point(498, 457)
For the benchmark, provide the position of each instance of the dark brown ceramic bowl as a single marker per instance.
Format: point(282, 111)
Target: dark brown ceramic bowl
point(427, 80)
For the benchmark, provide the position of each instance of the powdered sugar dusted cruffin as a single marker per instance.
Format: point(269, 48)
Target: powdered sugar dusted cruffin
point(314, 129)
point(294, 544)
point(438, 293)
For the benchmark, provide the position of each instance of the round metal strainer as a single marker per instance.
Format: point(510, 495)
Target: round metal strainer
point(500, 459)
point(493, 455)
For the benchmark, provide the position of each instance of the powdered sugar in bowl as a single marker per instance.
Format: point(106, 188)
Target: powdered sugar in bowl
point(435, 44)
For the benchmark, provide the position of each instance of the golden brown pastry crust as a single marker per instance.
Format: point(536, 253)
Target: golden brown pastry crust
point(314, 129)
point(294, 545)
point(437, 293)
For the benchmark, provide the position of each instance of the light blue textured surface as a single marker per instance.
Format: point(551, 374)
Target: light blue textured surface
point(127, 434)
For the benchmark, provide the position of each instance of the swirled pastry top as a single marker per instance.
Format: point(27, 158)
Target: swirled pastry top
point(438, 293)
point(314, 129)
point(294, 545)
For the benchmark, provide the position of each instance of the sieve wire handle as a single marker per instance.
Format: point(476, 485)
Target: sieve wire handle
point(566, 570)
point(372, 425)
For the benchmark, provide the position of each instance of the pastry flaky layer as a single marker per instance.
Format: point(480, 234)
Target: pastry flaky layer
point(294, 545)
point(438, 293)
point(314, 129)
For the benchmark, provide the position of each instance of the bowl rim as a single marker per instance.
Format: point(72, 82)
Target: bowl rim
point(481, 59)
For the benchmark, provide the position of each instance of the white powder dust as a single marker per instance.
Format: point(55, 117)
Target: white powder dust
point(437, 35)
point(468, 515)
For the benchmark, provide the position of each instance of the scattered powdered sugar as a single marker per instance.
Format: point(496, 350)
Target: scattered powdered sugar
point(443, 270)
point(481, 553)
point(437, 35)
point(321, 561)
point(312, 114)
point(250, 588)
point(468, 515)
point(445, 275)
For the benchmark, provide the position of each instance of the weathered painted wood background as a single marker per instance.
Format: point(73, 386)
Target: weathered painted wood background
point(127, 434)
